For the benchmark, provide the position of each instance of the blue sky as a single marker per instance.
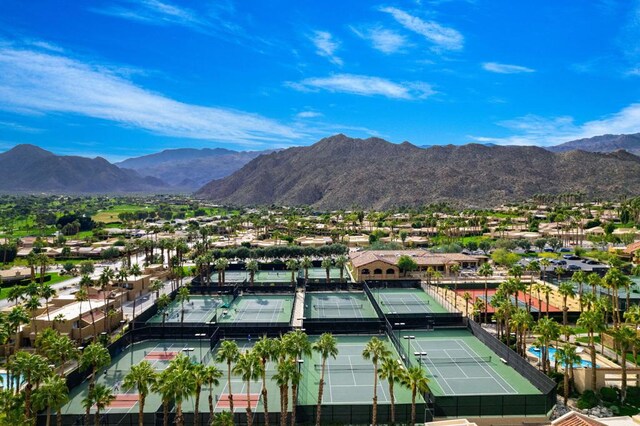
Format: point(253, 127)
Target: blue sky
point(121, 78)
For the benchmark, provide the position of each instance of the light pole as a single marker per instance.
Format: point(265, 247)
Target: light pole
point(200, 336)
point(409, 339)
point(420, 355)
point(187, 350)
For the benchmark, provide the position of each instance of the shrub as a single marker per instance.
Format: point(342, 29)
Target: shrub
point(633, 395)
point(609, 394)
point(587, 400)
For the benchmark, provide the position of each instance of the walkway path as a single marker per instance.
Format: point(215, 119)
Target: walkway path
point(298, 312)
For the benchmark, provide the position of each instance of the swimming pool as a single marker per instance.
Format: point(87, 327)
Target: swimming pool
point(3, 378)
point(552, 357)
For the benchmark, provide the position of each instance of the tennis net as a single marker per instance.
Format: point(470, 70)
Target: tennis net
point(401, 302)
point(345, 367)
point(336, 306)
point(462, 360)
point(266, 310)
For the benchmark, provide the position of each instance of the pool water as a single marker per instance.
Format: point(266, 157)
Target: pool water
point(552, 357)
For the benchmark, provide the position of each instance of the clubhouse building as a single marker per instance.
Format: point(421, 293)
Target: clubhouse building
point(383, 264)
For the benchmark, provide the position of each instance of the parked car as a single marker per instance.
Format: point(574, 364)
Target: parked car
point(574, 268)
point(565, 250)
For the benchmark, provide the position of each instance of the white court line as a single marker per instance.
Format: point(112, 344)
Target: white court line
point(433, 367)
point(467, 348)
point(353, 375)
point(457, 365)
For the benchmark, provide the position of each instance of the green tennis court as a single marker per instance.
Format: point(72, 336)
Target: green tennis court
point(198, 309)
point(321, 273)
point(458, 364)
point(239, 388)
point(406, 301)
point(322, 305)
point(348, 378)
point(260, 276)
point(158, 353)
point(258, 308)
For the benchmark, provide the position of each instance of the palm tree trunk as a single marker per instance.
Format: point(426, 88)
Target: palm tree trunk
point(141, 410)
point(96, 417)
point(374, 409)
point(392, 398)
point(413, 407)
point(59, 417)
point(196, 408)
point(210, 404)
point(249, 413)
point(294, 403)
point(48, 416)
point(320, 390)
point(229, 385)
point(623, 387)
point(265, 400)
point(486, 300)
point(593, 363)
point(165, 413)
point(566, 383)
point(283, 412)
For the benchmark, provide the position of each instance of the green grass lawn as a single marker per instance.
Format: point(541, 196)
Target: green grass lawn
point(55, 279)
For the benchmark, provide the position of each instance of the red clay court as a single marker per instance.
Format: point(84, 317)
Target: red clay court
point(523, 299)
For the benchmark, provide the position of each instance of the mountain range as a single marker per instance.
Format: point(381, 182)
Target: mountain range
point(604, 143)
point(188, 168)
point(28, 168)
point(342, 172)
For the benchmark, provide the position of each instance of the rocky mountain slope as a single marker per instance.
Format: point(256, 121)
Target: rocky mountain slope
point(28, 168)
point(190, 168)
point(341, 172)
point(604, 143)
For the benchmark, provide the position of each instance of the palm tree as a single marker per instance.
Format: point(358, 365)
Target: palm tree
point(594, 281)
point(625, 338)
point(164, 386)
point(85, 283)
point(265, 349)
point(375, 350)
point(17, 317)
point(94, 357)
point(183, 383)
point(47, 292)
point(593, 323)
point(248, 367)
point(229, 353)
point(305, 264)
point(326, 264)
point(221, 265)
point(341, 262)
point(200, 379)
point(467, 297)
point(252, 266)
point(544, 264)
point(293, 266)
point(391, 370)
point(547, 330)
point(33, 304)
point(223, 418)
point(33, 368)
point(163, 303)
point(579, 278)
point(183, 296)
point(52, 395)
point(455, 270)
point(414, 378)
point(142, 377)
point(327, 346)
point(566, 290)
point(285, 371)
point(546, 290)
point(100, 396)
point(532, 267)
point(485, 271)
point(567, 357)
point(297, 344)
point(521, 321)
point(211, 378)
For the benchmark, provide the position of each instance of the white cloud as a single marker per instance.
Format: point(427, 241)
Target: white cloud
point(365, 86)
point(308, 114)
point(35, 82)
point(382, 39)
point(155, 12)
point(536, 130)
point(505, 68)
point(443, 38)
point(326, 46)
